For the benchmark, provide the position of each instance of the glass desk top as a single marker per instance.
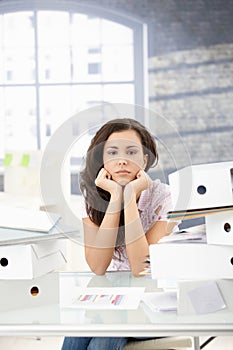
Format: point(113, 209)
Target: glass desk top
point(56, 320)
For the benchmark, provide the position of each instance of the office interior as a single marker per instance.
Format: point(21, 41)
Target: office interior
point(173, 58)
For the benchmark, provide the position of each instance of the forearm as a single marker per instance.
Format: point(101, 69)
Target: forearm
point(137, 247)
point(100, 243)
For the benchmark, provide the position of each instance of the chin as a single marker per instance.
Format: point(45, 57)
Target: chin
point(123, 182)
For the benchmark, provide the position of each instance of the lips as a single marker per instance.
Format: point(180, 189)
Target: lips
point(122, 172)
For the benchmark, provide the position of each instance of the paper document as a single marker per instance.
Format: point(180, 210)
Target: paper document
point(103, 298)
point(27, 219)
point(196, 234)
point(10, 236)
point(161, 301)
point(207, 298)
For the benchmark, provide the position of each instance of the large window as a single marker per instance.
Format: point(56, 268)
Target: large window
point(56, 59)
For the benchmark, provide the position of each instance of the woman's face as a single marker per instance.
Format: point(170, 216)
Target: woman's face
point(123, 156)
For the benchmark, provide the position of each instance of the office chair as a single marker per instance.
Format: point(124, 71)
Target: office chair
point(167, 343)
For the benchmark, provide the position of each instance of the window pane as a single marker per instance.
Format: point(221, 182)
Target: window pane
point(121, 67)
point(85, 31)
point(54, 65)
point(19, 115)
point(53, 29)
point(19, 66)
point(122, 93)
point(116, 34)
point(18, 29)
point(17, 48)
point(81, 63)
point(75, 57)
point(115, 63)
point(53, 46)
point(94, 68)
point(86, 52)
point(103, 47)
point(85, 96)
point(55, 109)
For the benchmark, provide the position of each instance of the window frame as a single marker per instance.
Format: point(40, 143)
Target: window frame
point(138, 27)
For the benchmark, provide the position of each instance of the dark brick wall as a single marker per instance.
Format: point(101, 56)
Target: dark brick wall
point(178, 24)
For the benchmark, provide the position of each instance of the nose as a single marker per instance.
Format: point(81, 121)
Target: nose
point(122, 161)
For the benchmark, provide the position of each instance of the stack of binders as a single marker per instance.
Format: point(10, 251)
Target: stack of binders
point(28, 271)
point(200, 190)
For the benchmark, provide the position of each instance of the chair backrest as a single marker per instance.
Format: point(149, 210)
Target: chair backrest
point(166, 343)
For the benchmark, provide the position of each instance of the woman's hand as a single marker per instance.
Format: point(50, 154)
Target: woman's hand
point(105, 182)
point(135, 187)
point(142, 182)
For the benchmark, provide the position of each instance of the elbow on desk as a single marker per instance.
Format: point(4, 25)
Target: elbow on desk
point(136, 273)
point(97, 270)
point(139, 268)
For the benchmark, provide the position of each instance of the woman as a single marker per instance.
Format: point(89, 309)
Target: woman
point(125, 209)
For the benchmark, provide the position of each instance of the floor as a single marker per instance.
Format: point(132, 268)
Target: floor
point(55, 343)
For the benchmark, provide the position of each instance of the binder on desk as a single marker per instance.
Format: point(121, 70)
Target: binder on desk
point(27, 293)
point(193, 261)
point(203, 190)
point(28, 261)
point(202, 186)
point(219, 228)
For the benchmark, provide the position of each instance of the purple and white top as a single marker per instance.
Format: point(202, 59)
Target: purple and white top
point(153, 205)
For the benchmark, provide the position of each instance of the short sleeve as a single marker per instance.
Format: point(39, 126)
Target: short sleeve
point(165, 204)
point(154, 204)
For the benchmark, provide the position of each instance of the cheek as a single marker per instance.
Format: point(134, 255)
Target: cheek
point(137, 163)
point(108, 166)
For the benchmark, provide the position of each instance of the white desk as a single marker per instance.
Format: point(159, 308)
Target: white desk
point(56, 321)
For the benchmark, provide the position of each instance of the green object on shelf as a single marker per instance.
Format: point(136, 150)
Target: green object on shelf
point(25, 160)
point(7, 159)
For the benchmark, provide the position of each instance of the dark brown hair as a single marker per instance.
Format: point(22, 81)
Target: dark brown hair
point(96, 199)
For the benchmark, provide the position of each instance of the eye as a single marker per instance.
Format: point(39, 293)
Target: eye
point(132, 152)
point(111, 152)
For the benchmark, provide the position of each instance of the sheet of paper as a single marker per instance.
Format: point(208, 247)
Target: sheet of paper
point(27, 219)
point(195, 234)
point(161, 301)
point(103, 298)
point(207, 298)
point(12, 236)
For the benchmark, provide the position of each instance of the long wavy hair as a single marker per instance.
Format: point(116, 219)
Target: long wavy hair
point(97, 199)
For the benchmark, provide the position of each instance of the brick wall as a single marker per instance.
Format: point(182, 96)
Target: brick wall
point(190, 75)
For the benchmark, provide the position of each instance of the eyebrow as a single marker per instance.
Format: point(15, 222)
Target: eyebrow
point(115, 147)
